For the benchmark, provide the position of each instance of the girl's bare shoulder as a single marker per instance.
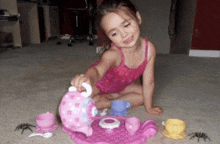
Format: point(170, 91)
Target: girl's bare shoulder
point(151, 50)
point(112, 55)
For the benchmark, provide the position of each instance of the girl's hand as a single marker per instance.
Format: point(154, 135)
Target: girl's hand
point(155, 110)
point(78, 80)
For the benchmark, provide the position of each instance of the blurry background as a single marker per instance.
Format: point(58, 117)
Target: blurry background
point(167, 23)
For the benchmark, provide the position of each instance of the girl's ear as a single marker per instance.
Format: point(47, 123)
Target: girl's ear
point(138, 17)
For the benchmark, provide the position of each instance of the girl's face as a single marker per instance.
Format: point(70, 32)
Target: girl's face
point(123, 30)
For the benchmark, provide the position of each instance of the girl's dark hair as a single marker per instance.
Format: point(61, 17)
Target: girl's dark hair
point(113, 6)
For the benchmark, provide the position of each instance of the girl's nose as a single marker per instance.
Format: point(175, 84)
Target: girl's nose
point(124, 33)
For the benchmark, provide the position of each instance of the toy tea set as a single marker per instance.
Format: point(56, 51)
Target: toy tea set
point(78, 115)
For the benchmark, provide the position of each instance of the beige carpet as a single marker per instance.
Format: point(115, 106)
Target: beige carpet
point(34, 79)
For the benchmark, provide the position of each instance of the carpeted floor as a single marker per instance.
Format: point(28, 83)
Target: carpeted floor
point(34, 79)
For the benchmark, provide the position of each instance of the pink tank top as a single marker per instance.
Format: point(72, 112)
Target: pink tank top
point(118, 78)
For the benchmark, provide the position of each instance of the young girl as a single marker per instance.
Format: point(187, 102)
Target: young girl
point(128, 56)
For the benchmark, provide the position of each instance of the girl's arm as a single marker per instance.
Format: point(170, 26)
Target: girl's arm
point(149, 82)
point(96, 72)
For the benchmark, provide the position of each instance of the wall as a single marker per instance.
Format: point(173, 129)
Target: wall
point(156, 20)
point(155, 15)
point(11, 6)
point(29, 23)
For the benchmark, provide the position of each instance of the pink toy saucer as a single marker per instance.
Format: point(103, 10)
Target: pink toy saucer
point(117, 135)
point(43, 130)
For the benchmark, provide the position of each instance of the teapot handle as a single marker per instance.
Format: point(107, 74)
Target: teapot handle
point(86, 86)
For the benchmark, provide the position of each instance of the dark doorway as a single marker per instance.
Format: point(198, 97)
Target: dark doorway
point(181, 25)
point(41, 24)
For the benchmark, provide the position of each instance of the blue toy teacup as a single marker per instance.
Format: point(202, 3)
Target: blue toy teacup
point(119, 107)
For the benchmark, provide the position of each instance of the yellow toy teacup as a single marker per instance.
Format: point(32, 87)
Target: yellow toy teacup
point(175, 128)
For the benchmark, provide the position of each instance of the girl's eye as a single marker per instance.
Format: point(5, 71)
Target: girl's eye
point(127, 25)
point(114, 34)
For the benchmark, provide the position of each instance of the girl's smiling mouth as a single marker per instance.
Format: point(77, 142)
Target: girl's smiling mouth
point(129, 40)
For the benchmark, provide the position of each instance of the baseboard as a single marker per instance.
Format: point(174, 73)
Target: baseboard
point(204, 53)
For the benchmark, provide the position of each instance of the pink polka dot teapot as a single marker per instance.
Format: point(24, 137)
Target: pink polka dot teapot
point(77, 110)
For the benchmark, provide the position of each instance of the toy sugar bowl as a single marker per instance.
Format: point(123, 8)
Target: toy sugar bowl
point(174, 128)
point(77, 110)
point(132, 125)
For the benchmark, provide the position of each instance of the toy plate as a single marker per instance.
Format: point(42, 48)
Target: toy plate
point(119, 135)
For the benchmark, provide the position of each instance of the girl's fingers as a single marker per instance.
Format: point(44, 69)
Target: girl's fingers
point(156, 111)
point(78, 80)
point(82, 80)
point(159, 110)
point(72, 82)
